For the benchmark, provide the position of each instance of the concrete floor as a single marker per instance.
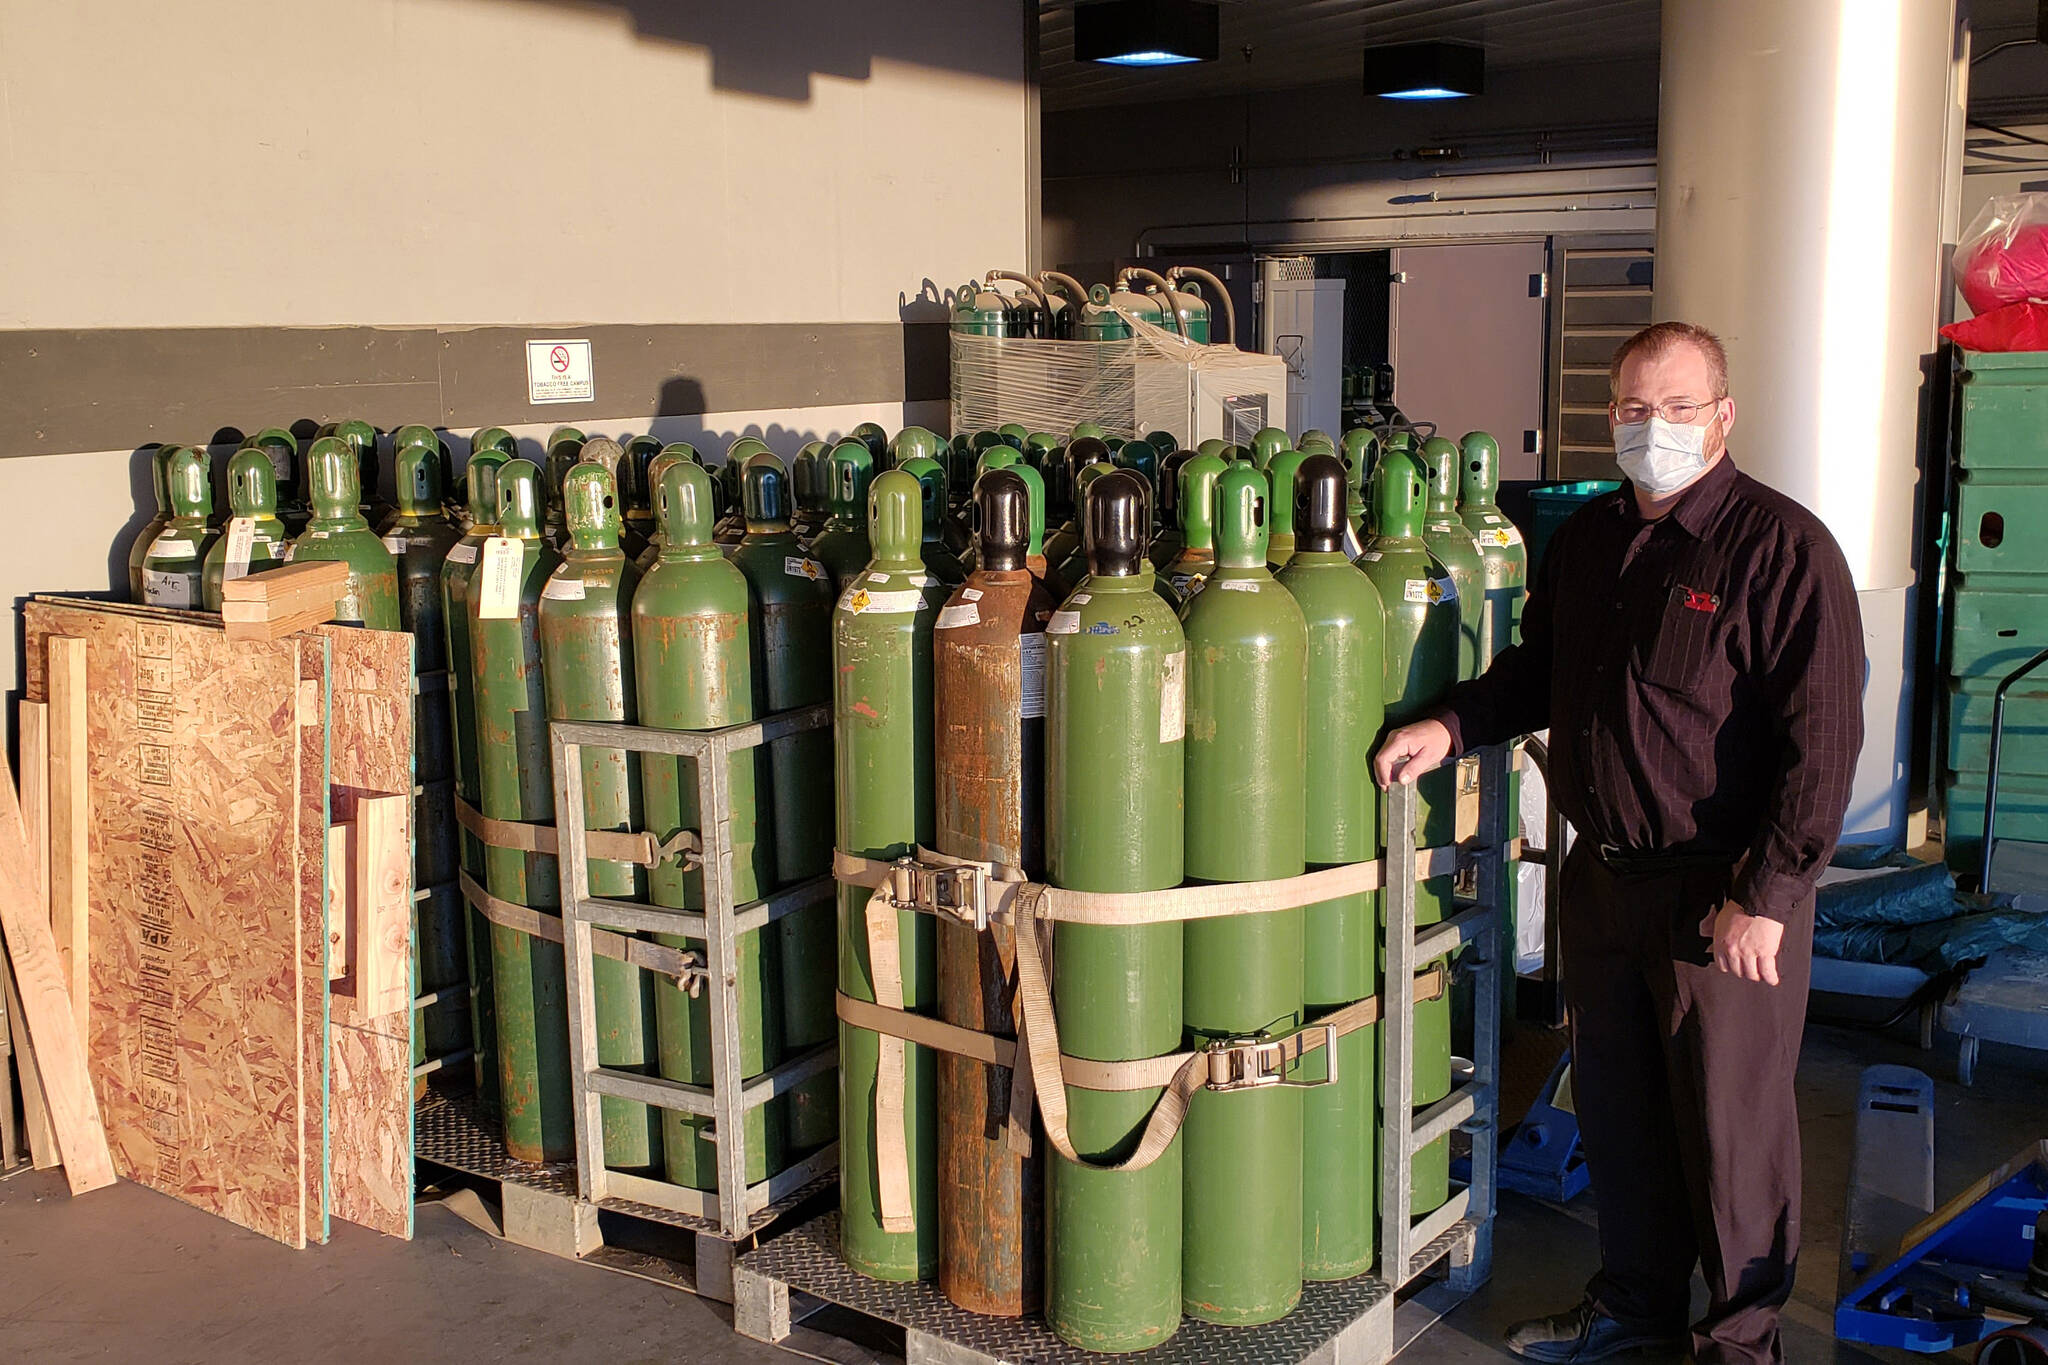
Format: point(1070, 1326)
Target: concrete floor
point(125, 1274)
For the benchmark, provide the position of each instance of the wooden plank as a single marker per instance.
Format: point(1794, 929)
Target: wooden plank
point(70, 818)
point(33, 732)
point(310, 579)
point(309, 830)
point(196, 1044)
point(268, 627)
point(381, 907)
point(46, 1009)
point(370, 729)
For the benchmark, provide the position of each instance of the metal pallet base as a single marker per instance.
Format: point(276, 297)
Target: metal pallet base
point(542, 1210)
point(1349, 1322)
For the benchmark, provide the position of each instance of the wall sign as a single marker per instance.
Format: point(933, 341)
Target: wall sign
point(559, 372)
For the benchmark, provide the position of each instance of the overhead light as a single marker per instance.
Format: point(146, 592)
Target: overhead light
point(1425, 71)
point(1145, 32)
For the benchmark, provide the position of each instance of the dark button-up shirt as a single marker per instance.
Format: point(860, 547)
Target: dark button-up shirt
point(1702, 679)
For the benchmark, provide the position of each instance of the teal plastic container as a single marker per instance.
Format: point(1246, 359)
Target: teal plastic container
point(2004, 410)
point(2025, 749)
point(1551, 507)
point(2022, 814)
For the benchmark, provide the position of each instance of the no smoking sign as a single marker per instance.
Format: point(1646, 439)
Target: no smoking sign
point(559, 372)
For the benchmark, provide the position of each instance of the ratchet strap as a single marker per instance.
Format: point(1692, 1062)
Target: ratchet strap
point(687, 968)
point(525, 836)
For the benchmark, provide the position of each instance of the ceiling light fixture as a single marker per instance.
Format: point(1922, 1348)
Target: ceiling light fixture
point(1425, 71)
point(1146, 32)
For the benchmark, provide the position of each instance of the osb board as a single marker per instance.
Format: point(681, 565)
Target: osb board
point(370, 1109)
point(197, 1008)
point(311, 833)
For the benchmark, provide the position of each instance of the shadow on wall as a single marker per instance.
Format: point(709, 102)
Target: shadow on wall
point(773, 48)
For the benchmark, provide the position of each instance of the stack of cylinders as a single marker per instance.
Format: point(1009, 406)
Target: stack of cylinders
point(693, 665)
point(882, 769)
point(587, 664)
point(1115, 738)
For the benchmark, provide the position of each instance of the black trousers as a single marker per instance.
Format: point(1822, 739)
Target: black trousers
point(1683, 1079)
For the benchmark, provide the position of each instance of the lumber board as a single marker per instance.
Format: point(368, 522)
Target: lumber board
point(197, 1021)
point(381, 905)
point(310, 826)
point(46, 1009)
point(32, 732)
point(308, 580)
point(341, 872)
point(370, 729)
point(70, 817)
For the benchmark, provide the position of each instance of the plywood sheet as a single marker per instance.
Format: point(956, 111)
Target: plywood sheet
point(370, 730)
point(197, 1024)
point(310, 834)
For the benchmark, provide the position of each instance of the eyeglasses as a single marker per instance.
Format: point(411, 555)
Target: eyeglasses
point(1680, 412)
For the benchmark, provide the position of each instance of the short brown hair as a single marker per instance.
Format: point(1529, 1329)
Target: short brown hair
point(1660, 337)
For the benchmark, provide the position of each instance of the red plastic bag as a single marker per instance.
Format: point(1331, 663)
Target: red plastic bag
point(2015, 327)
point(2003, 256)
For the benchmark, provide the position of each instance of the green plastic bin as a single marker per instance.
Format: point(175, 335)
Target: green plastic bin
point(1552, 506)
point(2004, 410)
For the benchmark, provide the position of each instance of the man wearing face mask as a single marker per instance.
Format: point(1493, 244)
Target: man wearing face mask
point(1693, 645)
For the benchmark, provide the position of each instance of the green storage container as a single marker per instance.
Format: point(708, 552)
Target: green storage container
point(2022, 813)
point(2026, 725)
point(1999, 518)
point(1553, 506)
point(1996, 623)
point(2003, 423)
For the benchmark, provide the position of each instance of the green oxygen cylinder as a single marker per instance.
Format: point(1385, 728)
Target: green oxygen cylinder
point(1191, 568)
point(882, 768)
point(1315, 438)
point(420, 538)
point(254, 539)
point(410, 435)
point(842, 547)
point(1361, 455)
point(586, 652)
point(515, 782)
point(1116, 711)
point(1266, 443)
point(693, 661)
point(564, 449)
point(1280, 472)
point(337, 530)
point(1080, 453)
point(938, 558)
point(494, 438)
point(1014, 432)
point(1421, 601)
point(1455, 546)
point(807, 483)
point(173, 567)
point(1505, 562)
point(1141, 457)
point(636, 496)
point(1166, 542)
point(1071, 572)
point(1212, 445)
point(675, 452)
point(457, 570)
point(731, 527)
point(1246, 747)
point(875, 439)
point(283, 449)
point(1092, 430)
point(1346, 643)
point(793, 622)
point(988, 647)
point(361, 439)
point(159, 485)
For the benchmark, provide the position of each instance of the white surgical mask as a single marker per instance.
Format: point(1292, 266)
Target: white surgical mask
point(1660, 457)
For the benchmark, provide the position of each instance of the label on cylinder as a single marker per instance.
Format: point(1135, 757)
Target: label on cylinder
point(860, 600)
point(796, 566)
point(1430, 590)
point(395, 544)
point(1371, 556)
point(564, 586)
point(462, 553)
point(161, 589)
point(241, 540)
point(169, 546)
point(1238, 584)
point(498, 580)
point(970, 594)
point(1173, 697)
point(1500, 535)
point(1031, 648)
point(1064, 623)
point(959, 614)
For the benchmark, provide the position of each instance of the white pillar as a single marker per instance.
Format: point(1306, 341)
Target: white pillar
point(1801, 149)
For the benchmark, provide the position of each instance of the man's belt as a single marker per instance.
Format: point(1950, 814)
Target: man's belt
point(1659, 862)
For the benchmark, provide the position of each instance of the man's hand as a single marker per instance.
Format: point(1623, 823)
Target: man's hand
point(1746, 945)
point(1411, 751)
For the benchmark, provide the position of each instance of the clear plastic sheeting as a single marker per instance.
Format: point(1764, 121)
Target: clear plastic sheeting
point(1150, 381)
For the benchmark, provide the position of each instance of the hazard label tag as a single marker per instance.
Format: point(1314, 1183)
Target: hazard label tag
point(241, 541)
point(498, 590)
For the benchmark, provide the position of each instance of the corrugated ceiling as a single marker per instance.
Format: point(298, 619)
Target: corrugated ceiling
point(1311, 42)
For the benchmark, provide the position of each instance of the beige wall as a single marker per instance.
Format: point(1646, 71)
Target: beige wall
point(244, 163)
point(232, 162)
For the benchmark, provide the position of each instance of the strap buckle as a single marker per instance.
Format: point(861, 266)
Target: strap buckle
point(1250, 1063)
point(955, 892)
